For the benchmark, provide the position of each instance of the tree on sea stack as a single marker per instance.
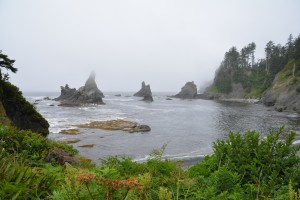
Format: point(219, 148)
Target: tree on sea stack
point(6, 63)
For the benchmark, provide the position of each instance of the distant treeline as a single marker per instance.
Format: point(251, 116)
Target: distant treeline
point(256, 75)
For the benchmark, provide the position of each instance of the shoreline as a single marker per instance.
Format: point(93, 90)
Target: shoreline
point(252, 101)
point(189, 162)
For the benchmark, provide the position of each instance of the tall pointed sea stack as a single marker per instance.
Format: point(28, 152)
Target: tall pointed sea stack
point(89, 93)
point(145, 92)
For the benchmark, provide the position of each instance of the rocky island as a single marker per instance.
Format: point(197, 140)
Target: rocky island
point(188, 91)
point(89, 93)
point(145, 92)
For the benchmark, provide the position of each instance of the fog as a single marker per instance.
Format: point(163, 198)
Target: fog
point(162, 42)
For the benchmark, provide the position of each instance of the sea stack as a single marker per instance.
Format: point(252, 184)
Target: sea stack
point(145, 92)
point(188, 91)
point(89, 93)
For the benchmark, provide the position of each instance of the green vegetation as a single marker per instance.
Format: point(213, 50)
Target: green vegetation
point(257, 76)
point(14, 106)
point(7, 64)
point(245, 166)
point(290, 73)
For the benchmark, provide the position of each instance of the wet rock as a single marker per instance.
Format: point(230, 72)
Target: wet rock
point(148, 98)
point(145, 92)
point(89, 93)
point(142, 91)
point(123, 125)
point(139, 128)
point(109, 125)
point(70, 131)
point(87, 146)
point(169, 99)
point(118, 95)
point(69, 104)
point(279, 109)
point(46, 98)
point(188, 91)
point(71, 141)
point(268, 98)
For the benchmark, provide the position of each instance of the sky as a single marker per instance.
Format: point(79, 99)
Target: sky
point(162, 42)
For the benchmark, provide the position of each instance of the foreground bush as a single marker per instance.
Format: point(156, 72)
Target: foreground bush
point(245, 166)
point(20, 181)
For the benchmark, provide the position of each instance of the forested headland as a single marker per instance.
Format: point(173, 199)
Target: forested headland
point(257, 75)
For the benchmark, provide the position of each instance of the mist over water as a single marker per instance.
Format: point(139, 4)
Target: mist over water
point(188, 127)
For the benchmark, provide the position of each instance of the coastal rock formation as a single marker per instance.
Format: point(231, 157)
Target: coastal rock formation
point(188, 91)
point(145, 92)
point(236, 93)
point(284, 93)
point(123, 125)
point(89, 93)
point(16, 110)
point(283, 97)
point(148, 97)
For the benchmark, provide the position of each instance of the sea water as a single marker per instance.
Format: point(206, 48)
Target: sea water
point(187, 127)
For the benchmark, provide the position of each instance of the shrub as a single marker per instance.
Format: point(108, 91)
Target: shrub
point(19, 181)
point(259, 166)
point(31, 145)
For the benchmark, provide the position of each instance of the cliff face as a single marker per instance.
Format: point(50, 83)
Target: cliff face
point(19, 112)
point(284, 94)
point(3, 116)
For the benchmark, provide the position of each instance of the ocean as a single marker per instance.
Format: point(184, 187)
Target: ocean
point(187, 127)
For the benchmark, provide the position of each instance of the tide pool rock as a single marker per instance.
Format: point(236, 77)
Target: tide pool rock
point(119, 124)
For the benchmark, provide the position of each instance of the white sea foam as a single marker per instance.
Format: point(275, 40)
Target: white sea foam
point(189, 124)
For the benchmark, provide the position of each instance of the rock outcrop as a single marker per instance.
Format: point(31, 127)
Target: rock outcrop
point(188, 91)
point(236, 93)
point(283, 97)
point(19, 111)
point(119, 124)
point(145, 92)
point(89, 93)
point(284, 93)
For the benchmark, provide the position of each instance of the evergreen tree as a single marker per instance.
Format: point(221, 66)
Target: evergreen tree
point(268, 50)
point(290, 48)
point(6, 63)
point(297, 48)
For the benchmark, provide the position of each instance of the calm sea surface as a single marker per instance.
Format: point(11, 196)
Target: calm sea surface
point(188, 127)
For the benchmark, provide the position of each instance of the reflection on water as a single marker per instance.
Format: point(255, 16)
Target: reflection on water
point(240, 117)
point(187, 127)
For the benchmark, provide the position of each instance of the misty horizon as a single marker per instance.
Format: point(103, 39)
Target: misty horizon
point(164, 43)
